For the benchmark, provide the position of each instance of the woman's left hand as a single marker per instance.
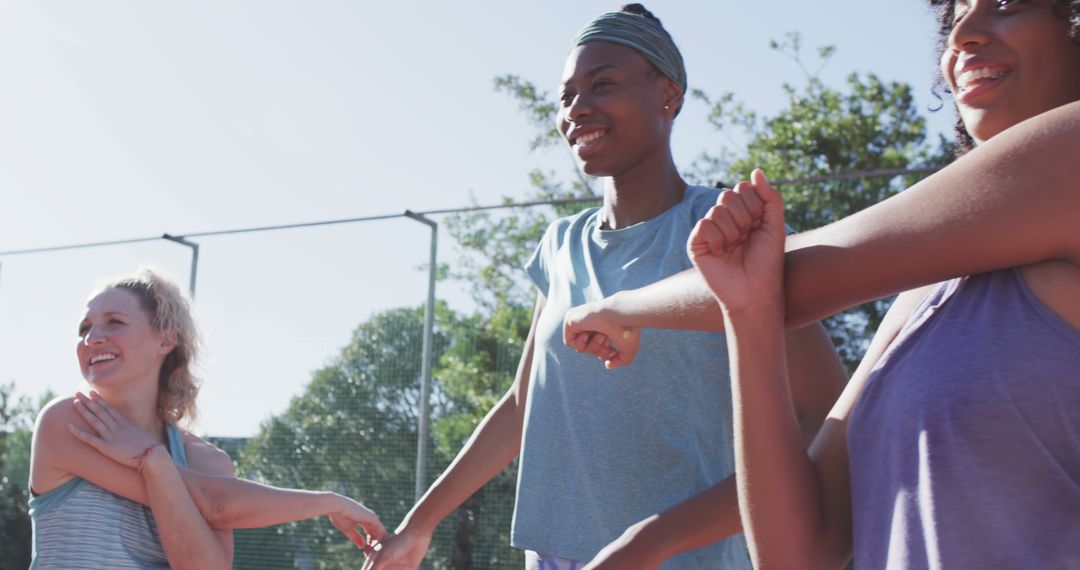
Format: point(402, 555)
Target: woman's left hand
point(113, 435)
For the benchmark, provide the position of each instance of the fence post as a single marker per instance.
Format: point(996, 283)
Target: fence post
point(194, 258)
point(425, 367)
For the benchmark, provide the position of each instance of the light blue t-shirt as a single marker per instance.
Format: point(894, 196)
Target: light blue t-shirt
point(603, 449)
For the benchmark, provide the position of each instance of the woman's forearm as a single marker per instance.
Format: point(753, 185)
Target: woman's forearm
point(229, 502)
point(777, 491)
point(682, 301)
point(494, 444)
point(1010, 202)
point(697, 522)
point(186, 537)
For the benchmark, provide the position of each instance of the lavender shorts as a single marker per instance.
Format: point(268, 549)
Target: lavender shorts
point(537, 561)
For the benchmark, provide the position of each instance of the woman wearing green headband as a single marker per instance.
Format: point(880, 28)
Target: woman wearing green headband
point(630, 467)
point(956, 444)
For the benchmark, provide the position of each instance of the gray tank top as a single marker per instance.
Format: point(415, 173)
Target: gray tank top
point(965, 445)
point(81, 525)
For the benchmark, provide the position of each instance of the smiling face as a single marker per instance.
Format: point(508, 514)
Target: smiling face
point(612, 108)
point(1007, 61)
point(117, 342)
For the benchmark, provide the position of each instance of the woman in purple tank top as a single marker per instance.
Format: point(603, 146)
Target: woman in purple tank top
point(957, 441)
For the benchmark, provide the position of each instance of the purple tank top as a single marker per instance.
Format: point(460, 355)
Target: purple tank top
point(965, 444)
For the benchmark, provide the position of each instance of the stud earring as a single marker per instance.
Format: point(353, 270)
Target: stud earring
point(666, 107)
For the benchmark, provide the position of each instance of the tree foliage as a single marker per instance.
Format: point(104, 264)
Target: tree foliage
point(821, 134)
point(16, 428)
point(353, 430)
point(495, 247)
point(818, 137)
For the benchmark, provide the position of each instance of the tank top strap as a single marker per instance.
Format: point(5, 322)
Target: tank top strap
point(176, 445)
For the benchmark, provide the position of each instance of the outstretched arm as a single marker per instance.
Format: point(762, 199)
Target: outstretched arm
point(1010, 202)
point(795, 506)
point(494, 444)
point(224, 502)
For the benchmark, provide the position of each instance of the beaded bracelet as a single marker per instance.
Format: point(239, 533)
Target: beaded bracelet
point(141, 458)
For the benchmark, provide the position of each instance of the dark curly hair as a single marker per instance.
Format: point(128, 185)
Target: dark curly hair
point(946, 10)
point(640, 10)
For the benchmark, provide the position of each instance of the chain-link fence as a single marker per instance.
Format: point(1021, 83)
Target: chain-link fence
point(354, 431)
point(349, 426)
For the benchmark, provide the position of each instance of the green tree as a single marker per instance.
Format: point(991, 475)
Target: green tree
point(16, 428)
point(479, 366)
point(822, 134)
point(868, 125)
point(353, 430)
point(474, 372)
point(495, 246)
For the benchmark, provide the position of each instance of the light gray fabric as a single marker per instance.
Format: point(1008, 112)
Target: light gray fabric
point(603, 449)
point(81, 525)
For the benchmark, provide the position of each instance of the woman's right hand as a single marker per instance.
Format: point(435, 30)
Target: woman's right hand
point(113, 435)
point(403, 551)
point(349, 514)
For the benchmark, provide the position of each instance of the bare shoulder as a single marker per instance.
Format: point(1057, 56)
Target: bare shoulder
point(54, 445)
point(205, 457)
point(51, 425)
point(59, 411)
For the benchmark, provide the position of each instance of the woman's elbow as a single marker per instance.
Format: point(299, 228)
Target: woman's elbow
point(220, 516)
point(212, 501)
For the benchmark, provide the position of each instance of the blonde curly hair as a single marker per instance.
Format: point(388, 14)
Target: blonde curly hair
point(169, 311)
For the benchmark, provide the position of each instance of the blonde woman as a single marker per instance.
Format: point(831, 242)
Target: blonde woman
point(117, 483)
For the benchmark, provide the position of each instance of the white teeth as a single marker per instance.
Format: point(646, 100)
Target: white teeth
point(967, 78)
point(102, 357)
point(588, 138)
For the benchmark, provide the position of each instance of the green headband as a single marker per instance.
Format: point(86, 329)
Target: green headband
point(642, 34)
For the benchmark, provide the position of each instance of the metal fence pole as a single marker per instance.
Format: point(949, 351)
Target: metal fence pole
point(425, 367)
point(194, 259)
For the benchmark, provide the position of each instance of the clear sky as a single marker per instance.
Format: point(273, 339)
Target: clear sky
point(124, 119)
